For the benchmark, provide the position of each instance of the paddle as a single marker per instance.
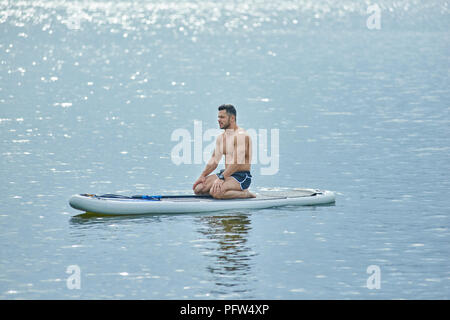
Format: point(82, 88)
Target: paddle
point(152, 198)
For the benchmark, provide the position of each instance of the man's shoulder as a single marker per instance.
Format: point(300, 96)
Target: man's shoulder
point(220, 137)
point(242, 131)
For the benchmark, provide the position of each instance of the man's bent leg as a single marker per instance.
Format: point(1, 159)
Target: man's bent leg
point(203, 188)
point(231, 189)
point(234, 194)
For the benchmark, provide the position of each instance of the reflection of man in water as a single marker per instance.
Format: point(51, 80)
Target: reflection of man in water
point(232, 258)
point(235, 145)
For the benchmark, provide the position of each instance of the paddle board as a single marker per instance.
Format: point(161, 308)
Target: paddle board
point(111, 204)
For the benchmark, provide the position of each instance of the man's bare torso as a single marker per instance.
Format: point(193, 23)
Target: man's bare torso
point(237, 148)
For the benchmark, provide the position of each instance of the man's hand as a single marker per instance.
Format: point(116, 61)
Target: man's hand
point(217, 186)
point(202, 179)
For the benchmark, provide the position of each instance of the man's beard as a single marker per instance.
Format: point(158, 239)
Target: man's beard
point(226, 125)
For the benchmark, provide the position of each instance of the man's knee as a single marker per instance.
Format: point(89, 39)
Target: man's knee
point(199, 189)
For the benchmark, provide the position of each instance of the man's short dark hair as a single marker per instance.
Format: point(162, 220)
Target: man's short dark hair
point(229, 109)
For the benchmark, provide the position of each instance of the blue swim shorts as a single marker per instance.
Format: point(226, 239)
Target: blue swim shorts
point(243, 177)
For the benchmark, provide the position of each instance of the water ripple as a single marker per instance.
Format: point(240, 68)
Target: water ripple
point(193, 17)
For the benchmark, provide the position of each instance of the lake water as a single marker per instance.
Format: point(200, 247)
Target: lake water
point(92, 91)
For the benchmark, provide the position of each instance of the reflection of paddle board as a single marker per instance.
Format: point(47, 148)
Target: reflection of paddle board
point(110, 204)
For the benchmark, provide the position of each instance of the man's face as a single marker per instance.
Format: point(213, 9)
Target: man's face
point(223, 119)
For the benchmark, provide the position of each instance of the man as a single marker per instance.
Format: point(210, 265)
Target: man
point(235, 144)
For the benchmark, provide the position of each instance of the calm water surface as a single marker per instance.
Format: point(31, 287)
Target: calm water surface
point(91, 92)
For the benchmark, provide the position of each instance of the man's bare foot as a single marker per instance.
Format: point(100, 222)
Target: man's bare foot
point(249, 194)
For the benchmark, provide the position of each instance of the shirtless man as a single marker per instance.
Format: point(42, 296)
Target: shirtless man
point(235, 144)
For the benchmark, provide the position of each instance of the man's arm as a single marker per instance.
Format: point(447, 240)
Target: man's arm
point(212, 163)
point(215, 158)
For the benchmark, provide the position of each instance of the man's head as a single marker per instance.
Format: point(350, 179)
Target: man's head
point(227, 116)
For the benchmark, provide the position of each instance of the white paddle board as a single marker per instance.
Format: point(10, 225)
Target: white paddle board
point(123, 205)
